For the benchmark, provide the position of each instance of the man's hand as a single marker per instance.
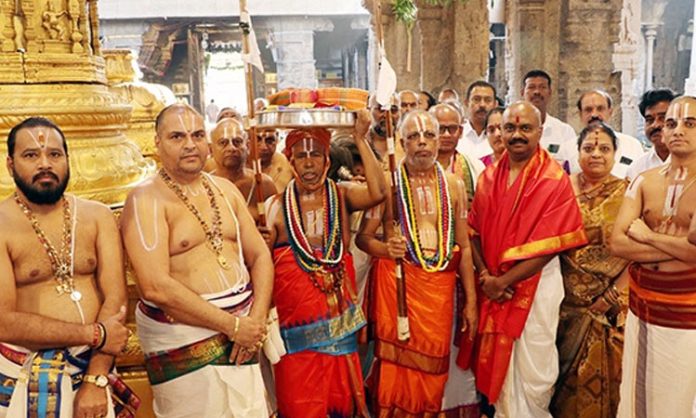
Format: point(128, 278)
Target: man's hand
point(396, 247)
point(116, 333)
point(470, 320)
point(494, 288)
point(639, 231)
point(266, 234)
point(251, 331)
point(362, 124)
point(90, 401)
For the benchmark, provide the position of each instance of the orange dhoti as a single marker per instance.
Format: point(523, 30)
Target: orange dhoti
point(320, 376)
point(411, 376)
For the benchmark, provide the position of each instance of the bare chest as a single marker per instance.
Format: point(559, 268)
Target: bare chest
point(32, 264)
point(668, 208)
point(187, 231)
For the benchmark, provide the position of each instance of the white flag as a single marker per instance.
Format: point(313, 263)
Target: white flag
point(254, 56)
point(386, 80)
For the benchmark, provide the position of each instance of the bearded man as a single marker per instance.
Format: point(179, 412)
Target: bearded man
point(62, 304)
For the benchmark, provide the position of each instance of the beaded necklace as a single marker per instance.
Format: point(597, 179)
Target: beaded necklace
point(322, 262)
point(409, 222)
point(61, 262)
point(213, 233)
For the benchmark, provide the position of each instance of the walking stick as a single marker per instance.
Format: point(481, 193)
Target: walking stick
point(402, 326)
point(250, 120)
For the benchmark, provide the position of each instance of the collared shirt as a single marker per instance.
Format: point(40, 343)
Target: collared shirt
point(628, 151)
point(472, 144)
point(560, 140)
point(648, 161)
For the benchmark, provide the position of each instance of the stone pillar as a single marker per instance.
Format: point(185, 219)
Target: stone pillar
point(626, 60)
point(292, 43)
point(563, 39)
point(690, 83)
point(449, 45)
point(650, 30)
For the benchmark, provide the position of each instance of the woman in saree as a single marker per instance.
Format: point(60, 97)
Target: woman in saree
point(590, 332)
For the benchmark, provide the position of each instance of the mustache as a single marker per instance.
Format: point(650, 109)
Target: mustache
point(595, 119)
point(654, 131)
point(43, 174)
point(515, 141)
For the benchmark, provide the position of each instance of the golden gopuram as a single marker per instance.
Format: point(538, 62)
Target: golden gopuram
point(52, 65)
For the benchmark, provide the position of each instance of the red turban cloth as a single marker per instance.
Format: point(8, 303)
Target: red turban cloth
point(322, 135)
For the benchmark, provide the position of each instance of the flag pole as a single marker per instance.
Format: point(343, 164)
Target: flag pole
point(250, 120)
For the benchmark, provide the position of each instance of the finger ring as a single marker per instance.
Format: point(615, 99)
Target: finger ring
point(259, 344)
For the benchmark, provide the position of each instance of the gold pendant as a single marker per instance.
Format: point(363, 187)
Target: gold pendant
point(222, 261)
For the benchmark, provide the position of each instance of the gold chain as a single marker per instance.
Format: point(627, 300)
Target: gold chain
point(213, 233)
point(60, 262)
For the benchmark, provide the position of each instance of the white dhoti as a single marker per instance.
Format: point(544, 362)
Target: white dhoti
point(460, 389)
point(533, 369)
point(220, 391)
point(658, 371)
point(55, 377)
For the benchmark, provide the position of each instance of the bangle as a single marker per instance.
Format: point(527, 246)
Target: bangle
point(236, 328)
point(96, 335)
point(102, 336)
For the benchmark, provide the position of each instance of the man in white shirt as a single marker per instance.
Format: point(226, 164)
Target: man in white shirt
point(597, 105)
point(653, 107)
point(480, 99)
point(557, 137)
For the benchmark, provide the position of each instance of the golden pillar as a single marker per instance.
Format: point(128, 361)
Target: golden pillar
point(51, 66)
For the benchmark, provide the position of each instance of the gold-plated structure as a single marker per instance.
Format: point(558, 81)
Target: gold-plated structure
point(51, 65)
point(146, 99)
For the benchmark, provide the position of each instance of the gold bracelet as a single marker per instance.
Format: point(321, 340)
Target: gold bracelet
point(236, 328)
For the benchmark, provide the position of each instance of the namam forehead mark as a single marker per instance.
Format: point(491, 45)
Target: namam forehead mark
point(45, 137)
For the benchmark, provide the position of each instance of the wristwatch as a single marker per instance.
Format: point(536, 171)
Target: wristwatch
point(99, 380)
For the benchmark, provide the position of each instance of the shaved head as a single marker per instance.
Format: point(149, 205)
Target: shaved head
point(180, 108)
point(444, 110)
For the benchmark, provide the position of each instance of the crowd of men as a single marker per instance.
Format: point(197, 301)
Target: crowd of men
point(504, 267)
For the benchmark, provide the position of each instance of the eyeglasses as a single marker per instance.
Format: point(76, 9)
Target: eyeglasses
point(451, 129)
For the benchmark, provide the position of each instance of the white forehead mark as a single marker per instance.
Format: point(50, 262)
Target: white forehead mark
point(420, 126)
point(685, 111)
point(36, 141)
point(224, 131)
point(308, 144)
point(183, 127)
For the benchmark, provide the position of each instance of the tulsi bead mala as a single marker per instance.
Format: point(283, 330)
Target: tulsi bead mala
point(445, 222)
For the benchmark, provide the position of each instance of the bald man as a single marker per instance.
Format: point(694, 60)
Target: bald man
point(205, 278)
point(434, 245)
point(230, 148)
point(523, 215)
point(468, 169)
point(408, 101)
point(652, 230)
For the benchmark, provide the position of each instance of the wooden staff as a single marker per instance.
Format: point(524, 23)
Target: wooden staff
point(250, 120)
point(402, 327)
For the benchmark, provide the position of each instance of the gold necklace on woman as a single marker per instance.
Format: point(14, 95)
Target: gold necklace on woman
point(213, 233)
point(61, 263)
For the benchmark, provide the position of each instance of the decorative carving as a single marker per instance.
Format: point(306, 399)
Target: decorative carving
point(76, 36)
point(94, 26)
point(8, 31)
point(52, 23)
